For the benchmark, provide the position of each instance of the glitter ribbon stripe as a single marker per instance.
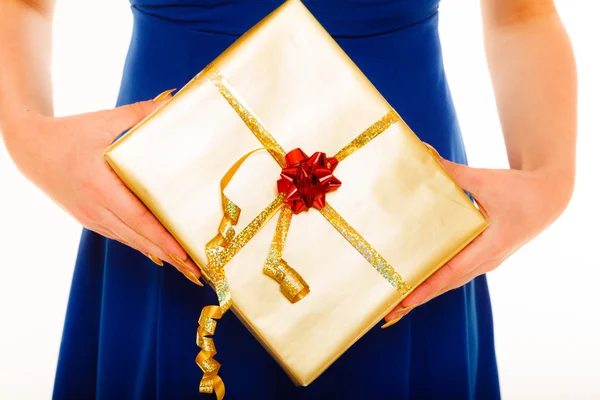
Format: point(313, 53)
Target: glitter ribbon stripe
point(369, 134)
point(225, 245)
point(365, 249)
point(251, 121)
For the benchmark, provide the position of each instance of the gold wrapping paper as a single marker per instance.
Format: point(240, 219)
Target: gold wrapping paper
point(307, 94)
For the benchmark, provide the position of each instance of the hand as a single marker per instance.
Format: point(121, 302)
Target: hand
point(64, 157)
point(518, 204)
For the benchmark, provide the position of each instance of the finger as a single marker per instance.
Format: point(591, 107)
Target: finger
point(122, 118)
point(463, 280)
point(463, 263)
point(131, 211)
point(136, 241)
point(108, 233)
point(482, 269)
point(433, 151)
point(400, 311)
point(100, 229)
point(104, 232)
point(396, 314)
point(146, 246)
point(468, 178)
point(472, 180)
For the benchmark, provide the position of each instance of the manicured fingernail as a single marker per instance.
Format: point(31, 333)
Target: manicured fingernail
point(406, 309)
point(163, 95)
point(189, 274)
point(392, 322)
point(400, 313)
point(432, 150)
point(179, 261)
point(192, 277)
point(155, 259)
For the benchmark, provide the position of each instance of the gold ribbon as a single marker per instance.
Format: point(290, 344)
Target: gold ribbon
point(211, 381)
point(225, 245)
point(293, 287)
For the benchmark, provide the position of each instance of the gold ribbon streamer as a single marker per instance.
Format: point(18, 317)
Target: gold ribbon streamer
point(219, 252)
point(226, 233)
point(211, 381)
point(225, 245)
point(292, 285)
point(219, 255)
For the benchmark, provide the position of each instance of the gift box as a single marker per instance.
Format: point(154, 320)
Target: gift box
point(314, 239)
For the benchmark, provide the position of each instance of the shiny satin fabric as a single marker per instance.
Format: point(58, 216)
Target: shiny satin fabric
point(308, 94)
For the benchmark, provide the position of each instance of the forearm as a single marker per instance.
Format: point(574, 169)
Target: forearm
point(25, 58)
point(535, 82)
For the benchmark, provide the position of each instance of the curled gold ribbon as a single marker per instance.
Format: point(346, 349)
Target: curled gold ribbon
point(216, 246)
point(211, 381)
point(215, 251)
point(292, 285)
point(226, 244)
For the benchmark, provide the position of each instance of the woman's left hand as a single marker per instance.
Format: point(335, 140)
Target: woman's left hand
point(518, 204)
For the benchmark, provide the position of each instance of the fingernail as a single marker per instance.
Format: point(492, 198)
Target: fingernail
point(163, 95)
point(156, 260)
point(406, 309)
point(401, 313)
point(189, 274)
point(392, 322)
point(192, 277)
point(433, 151)
point(178, 260)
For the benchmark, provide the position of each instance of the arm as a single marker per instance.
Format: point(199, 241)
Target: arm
point(63, 156)
point(534, 77)
point(25, 55)
point(535, 82)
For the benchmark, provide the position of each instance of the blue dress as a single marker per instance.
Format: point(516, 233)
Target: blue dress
point(130, 326)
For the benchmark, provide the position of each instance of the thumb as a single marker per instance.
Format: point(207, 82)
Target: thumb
point(124, 117)
point(469, 179)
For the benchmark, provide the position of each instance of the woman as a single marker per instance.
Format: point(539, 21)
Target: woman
point(128, 324)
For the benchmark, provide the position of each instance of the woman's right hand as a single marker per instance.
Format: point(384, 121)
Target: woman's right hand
point(64, 157)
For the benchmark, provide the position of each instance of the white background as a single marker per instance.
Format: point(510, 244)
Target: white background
point(545, 297)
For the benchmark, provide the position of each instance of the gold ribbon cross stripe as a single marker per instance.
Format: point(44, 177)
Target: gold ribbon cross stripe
point(226, 244)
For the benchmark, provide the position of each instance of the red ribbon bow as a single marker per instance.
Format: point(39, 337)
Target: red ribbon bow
point(306, 180)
